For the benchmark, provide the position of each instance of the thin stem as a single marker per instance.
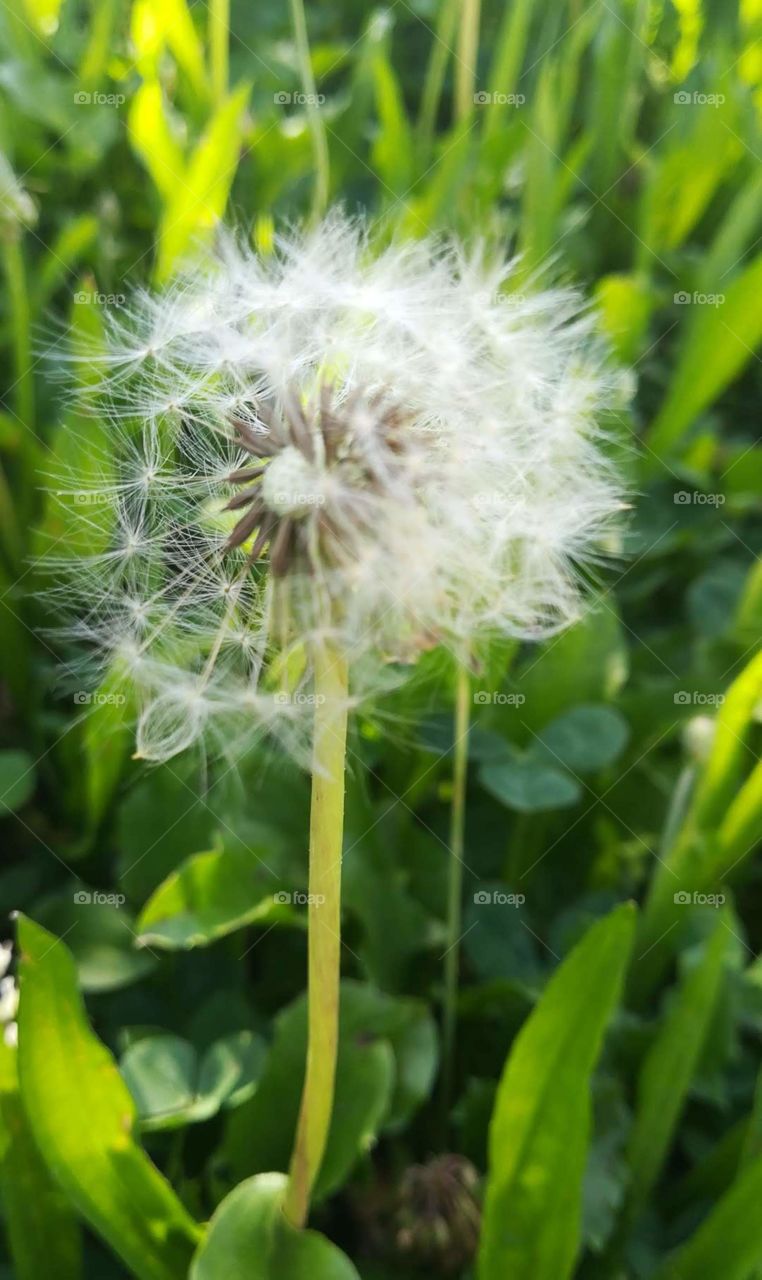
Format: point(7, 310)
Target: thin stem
point(455, 886)
point(468, 52)
point(326, 837)
point(219, 36)
point(435, 72)
point(317, 128)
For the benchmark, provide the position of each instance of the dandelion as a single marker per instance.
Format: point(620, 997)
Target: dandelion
point(323, 462)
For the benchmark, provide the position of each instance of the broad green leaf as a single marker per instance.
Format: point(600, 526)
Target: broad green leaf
point(152, 140)
point(585, 738)
point(541, 1123)
point(587, 663)
point(507, 60)
point(625, 303)
point(173, 1085)
point(211, 895)
point(82, 1118)
point(528, 784)
point(100, 933)
point(249, 1238)
point(17, 780)
point(729, 1242)
point(387, 1059)
point(720, 341)
point(107, 738)
point(201, 196)
point(670, 1065)
point(43, 1234)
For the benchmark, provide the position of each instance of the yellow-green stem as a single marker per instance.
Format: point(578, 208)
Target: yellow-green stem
point(435, 72)
point(317, 128)
point(467, 54)
point(326, 835)
point(455, 889)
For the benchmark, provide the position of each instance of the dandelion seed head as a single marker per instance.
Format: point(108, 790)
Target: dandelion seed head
point(378, 448)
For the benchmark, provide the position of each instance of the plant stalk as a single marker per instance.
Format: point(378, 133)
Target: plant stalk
point(455, 884)
point(467, 55)
point(317, 128)
point(324, 962)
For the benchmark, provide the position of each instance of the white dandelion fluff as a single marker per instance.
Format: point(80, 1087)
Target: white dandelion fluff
point(380, 450)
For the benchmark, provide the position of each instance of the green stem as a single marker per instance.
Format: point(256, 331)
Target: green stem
point(455, 887)
point(317, 128)
point(219, 37)
point(435, 73)
point(18, 297)
point(468, 52)
point(324, 963)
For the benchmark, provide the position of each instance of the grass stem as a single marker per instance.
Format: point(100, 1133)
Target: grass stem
point(455, 884)
point(317, 128)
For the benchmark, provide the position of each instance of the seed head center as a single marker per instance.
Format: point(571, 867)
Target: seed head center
point(291, 484)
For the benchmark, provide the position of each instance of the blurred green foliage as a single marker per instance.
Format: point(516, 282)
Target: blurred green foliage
point(611, 142)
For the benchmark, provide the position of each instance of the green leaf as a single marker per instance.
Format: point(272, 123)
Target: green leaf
point(585, 738)
point(588, 663)
point(208, 896)
point(153, 141)
point(201, 196)
point(729, 1242)
point(43, 1234)
point(541, 1124)
point(670, 1066)
point(173, 1086)
point(17, 780)
point(720, 341)
point(100, 933)
point(528, 785)
point(82, 1118)
point(386, 1065)
point(250, 1239)
point(392, 153)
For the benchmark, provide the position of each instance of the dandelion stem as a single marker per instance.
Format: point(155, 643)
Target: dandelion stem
point(317, 128)
point(326, 835)
point(455, 887)
point(467, 54)
point(219, 36)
